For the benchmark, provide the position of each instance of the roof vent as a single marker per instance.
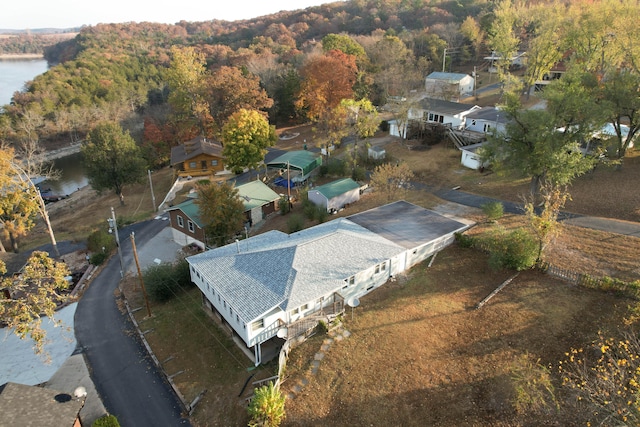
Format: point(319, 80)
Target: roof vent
point(62, 397)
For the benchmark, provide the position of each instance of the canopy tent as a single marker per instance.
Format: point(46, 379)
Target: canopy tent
point(301, 162)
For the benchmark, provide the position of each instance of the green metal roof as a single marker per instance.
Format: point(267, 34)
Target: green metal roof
point(190, 209)
point(336, 188)
point(303, 160)
point(255, 194)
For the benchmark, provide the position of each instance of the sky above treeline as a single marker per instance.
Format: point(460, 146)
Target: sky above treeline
point(34, 14)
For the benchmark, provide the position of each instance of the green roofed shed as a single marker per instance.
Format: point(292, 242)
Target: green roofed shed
point(336, 194)
point(302, 162)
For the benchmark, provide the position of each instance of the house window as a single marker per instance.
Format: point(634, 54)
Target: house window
point(383, 266)
point(352, 280)
point(440, 119)
point(377, 270)
point(192, 165)
point(237, 318)
point(487, 127)
point(304, 307)
point(191, 227)
point(295, 311)
point(180, 221)
point(224, 304)
point(473, 122)
point(257, 325)
point(431, 117)
point(214, 163)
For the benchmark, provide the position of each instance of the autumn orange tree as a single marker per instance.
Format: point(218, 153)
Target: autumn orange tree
point(327, 80)
point(229, 89)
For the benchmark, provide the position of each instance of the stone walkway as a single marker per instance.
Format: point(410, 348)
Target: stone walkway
point(333, 336)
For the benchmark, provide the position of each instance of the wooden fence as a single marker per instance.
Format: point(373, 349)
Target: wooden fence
point(631, 289)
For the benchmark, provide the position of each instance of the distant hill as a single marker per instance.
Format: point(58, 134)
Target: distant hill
point(40, 31)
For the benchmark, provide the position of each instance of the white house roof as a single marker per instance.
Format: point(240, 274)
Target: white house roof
point(279, 270)
point(490, 114)
point(449, 108)
point(448, 77)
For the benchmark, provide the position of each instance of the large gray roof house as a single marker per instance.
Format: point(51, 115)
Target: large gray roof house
point(262, 285)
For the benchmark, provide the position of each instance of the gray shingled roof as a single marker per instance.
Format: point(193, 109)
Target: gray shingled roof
point(276, 269)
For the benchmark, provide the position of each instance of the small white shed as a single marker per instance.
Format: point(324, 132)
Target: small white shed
point(377, 153)
point(448, 86)
point(471, 157)
point(335, 195)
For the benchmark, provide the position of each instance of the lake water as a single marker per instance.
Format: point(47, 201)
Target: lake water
point(72, 177)
point(14, 73)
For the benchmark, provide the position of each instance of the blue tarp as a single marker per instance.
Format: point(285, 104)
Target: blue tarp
point(282, 182)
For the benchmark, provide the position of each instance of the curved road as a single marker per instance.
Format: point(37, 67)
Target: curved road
point(126, 378)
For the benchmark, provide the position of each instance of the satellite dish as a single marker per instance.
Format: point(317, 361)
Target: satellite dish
point(80, 392)
point(282, 333)
point(353, 302)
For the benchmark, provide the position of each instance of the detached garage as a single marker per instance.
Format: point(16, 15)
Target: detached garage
point(335, 195)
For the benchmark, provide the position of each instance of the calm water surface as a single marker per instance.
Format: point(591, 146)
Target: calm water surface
point(14, 73)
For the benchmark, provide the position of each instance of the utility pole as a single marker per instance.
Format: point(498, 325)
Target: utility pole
point(153, 196)
point(444, 57)
point(475, 83)
point(113, 224)
point(144, 290)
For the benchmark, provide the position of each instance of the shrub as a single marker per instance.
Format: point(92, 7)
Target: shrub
point(101, 239)
point(322, 327)
point(164, 281)
point(97, 258)
point(464, 240)
point(493, 210)
point(533, 386)
point(310, 209)
point(516, 250)
point(321, 214)
point(337, 167)
point(359, 173)
point(323, 170)
point(267, 407)
point(295, 223)
point(106, 421)
point(284, 206)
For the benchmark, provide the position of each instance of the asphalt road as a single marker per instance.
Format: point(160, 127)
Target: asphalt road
point(131, 386)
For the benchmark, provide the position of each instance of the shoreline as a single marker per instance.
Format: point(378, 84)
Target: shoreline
point(10, 56)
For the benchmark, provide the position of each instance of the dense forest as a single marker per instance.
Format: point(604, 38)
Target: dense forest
point(165, 83)
point(31, 43)
point(117, 72)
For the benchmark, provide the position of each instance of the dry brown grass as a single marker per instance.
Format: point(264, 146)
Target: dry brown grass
point(420, 354)
point(85, 210)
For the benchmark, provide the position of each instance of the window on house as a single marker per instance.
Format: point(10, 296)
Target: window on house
point(198, 274)
point(441, 119)
point(431, 115)
point(304, 307)
point(473, 122)
point(352, 280)
point(487, 127)
point(257, 325)
point(295, 311)
point(192, 165)
point(224, 304)
point(237, 318)
point(377, 269)
point(180, 221)
point(204, 164)
point(214, 163)
point(191, 227)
